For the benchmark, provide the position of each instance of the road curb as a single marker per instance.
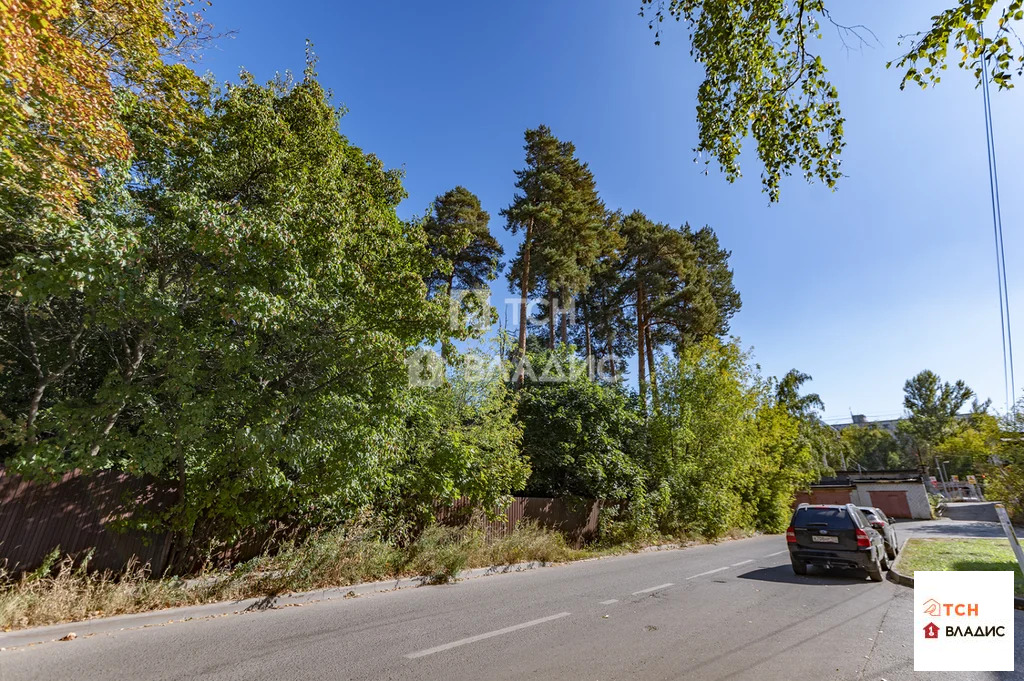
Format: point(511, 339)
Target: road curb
point(897, 577)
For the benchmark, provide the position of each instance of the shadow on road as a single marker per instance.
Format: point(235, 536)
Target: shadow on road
point(816, 576)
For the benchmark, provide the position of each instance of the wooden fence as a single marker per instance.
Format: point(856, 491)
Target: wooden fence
point(576, 519)
point(79, 513)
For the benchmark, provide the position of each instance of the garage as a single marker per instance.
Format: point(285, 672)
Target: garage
point(894, 504)
point(899, 493)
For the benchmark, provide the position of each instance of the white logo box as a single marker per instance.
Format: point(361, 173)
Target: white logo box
point(958, 603)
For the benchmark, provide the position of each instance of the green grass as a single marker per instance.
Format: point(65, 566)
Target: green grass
point(960, 554)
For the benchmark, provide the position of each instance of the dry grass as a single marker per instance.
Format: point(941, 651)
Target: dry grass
point(60, 591)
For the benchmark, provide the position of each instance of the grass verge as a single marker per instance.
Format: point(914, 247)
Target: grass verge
point(960, 554)
point(61, 591)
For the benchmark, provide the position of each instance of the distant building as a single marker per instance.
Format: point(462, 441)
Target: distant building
point(862, 420)
point(887, 424)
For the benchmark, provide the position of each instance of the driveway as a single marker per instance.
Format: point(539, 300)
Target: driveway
point(965, 519)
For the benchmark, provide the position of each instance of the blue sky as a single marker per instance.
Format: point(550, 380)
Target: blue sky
point(861, 288)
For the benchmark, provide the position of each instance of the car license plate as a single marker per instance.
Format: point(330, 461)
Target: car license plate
point(825, 539)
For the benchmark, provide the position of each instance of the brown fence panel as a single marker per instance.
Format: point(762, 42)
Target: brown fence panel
point(576, 519)
point(76, 513)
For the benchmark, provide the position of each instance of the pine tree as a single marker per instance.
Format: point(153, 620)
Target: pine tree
point(534, 210)
point(459, 239)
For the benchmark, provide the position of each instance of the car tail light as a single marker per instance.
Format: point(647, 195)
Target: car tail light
point(790, 536)
point(863, 540)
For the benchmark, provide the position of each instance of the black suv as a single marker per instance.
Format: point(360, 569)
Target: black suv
point(835, 536)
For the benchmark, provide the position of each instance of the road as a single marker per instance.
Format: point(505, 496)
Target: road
point(728, 611)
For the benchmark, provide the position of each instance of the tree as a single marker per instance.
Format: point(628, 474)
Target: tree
point(533, 211)
point(787, 394)
point(467, 253)
point(932, 407)
point(873, 448)
point(825, 444)
point(581, 438)
point(1005, 470)
point(566, 230)
point(970, 447)
point(581, 237)
point(460, 440)
point(787, 459)
point(763, 80)
point(65, 70)
point(680, 287)
point(704, 439)
point(655, 265)
point(232, 315)
point(603, 332)
point(713, 266)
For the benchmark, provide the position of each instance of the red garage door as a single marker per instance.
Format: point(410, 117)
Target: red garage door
point(893, 504)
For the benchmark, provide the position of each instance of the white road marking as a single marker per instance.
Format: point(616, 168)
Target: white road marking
point(709, 572)
point(653, 588)
point(489, 634)
point(742, 562)
point(610, 601)
point(777, 553)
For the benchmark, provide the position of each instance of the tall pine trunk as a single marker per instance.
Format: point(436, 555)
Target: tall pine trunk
point(524, 284)
point(445, 350)
point(551, 319)
point(651, 368)
point(610, 353)
point(590, 346)
point(641, 352)
point(563, 320)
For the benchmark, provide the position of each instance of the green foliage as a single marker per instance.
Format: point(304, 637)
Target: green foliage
point(232, 315)
point(460, 440)
point(762, 80)
point(971, 444)
point(466, 253)
point(703, 438)
point(581, 437)
point(724, 452)
point(933, 406)
point(566, 233)
point(1004, 472)
point(961, 25)
point(786, 461)
point(874, 449)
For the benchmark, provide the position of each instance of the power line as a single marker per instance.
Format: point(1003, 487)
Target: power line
point(1006, 335)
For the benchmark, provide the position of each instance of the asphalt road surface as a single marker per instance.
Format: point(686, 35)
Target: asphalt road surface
point(728, 611)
